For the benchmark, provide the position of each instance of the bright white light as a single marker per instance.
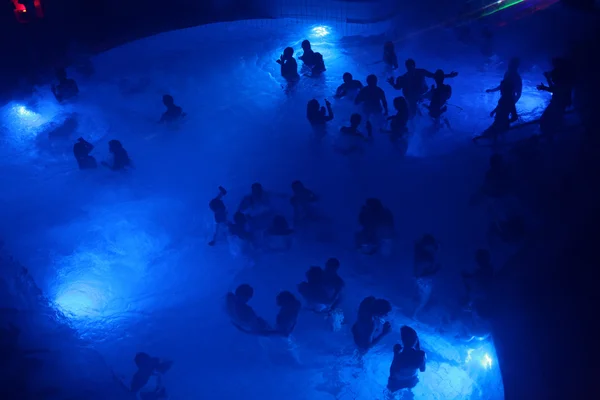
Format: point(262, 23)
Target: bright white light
point(320, 31)
point(499, 1)
point(486, 361)
point(80, 299)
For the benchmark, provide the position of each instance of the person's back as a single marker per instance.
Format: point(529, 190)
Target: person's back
point(371, 97)
point(439, 96)
point(515, 82)
point(404, 371)
point(243, 316)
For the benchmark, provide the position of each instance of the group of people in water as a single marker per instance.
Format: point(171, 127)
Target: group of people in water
point(256, 226)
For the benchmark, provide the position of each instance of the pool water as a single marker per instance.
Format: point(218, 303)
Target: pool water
point(123, 258)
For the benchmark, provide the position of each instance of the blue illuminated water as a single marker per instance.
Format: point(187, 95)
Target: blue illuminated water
point(124, 257)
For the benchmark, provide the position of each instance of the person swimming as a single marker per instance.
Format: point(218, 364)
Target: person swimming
point(302, 201)
point(278, 236)
point(318, 115)
point(349, 86)
point(398, 129)
point(242, 315)
point(81, 151)
point(148, 368)
point(425, 268)
point(408, 360)
point(372, 97)
point(369, 327)
point(173, 112)
point(66, 89)
point(352, 130)
point(314, 292)
point(377, 222)
point(289, 66)
point(121, 160)
point(389, 55)
point(309, 56)
point(286, 319)
point(219, 210)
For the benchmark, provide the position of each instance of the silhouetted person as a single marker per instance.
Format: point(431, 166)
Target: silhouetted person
point(81, 151)
point(372, 97)
point(349, 86)
point(219, 210)
point(352, 130)
point(369, 328)
point(408, 360)
point(413, 84)
point(479, 282)
point(239, 227)
point(397, 128)
point(439, 95)
point(319, 66)
point(425, 268)
point(377, 223)
point(120, 159)
point(279, 235)
point(318, 115)
point(512, 82)
point(504, 114)
point(286, 319)
point(302, 200)
point(242, 315)
point(314, 291)
point(389, 55)
point(560, 84)
point(309, 56)
point(289, 66)
point(66, 89)
point(173, 112)
point(149, 367)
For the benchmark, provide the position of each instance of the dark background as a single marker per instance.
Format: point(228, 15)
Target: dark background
point(545, 324)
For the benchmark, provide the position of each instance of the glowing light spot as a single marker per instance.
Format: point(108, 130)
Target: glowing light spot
point(81, 300)
point(320, 31)
point(486, 361)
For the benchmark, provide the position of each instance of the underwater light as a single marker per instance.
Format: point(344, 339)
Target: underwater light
point(80, 299)
point(484, 359)
point(320, 31)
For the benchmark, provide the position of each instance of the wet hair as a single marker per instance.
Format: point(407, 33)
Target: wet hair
point(297, 185)
point(61, 74)
point(365, 309)
point(347, 77)
point(400, 104)
point(355, 119)
point(410, 63)
point(285, 298)
point(257, 188)
point(371, 80)
point(288, 52)
point(428, 240)
point(305, 44)
point(438, 76)
point(244, 292)
point(483, 257)
point(496, 160)
point(239, 218)
point(312, 107)
point(381, 307)
point(168, 100)
point(408, 336)
point(374, 203)
point(333, 263)
point(142, 359)
point(280, 223)
point(314, 274)
point(114, 145)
